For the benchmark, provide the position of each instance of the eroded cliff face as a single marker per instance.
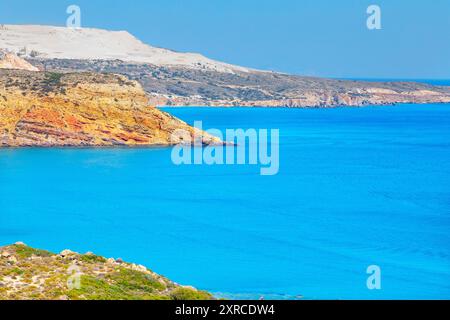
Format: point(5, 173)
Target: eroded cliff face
point(316, 93)
point(314, 99)
point(83, 109)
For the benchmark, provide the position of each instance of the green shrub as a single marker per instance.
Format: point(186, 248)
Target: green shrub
point(183, 293)
point(92, 258)
point(132, 280)
point(26, 252)
point(53, 77)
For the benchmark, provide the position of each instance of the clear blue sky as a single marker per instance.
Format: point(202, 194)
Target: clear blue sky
point(313, 37)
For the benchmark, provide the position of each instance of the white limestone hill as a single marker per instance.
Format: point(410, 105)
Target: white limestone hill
point(51, 42)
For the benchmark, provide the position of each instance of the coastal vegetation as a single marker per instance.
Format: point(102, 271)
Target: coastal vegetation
point(27, 273)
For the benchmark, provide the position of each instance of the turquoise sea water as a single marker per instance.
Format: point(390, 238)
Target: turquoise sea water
point(356, 187)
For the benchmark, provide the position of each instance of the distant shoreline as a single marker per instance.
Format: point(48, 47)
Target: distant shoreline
point(310, 107)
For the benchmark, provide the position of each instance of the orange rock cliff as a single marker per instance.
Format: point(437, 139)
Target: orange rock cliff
point(83, 109)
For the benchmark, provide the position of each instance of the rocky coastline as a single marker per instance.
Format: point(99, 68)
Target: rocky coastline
point(48, 109)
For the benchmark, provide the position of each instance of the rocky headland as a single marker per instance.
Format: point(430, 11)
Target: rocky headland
point(182, 86)
point(32, 274)
point(83, 109)
point(172, 78)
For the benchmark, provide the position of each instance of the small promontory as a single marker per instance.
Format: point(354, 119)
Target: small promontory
point(83, 109)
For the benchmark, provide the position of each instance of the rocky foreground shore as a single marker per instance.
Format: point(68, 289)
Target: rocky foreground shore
point(32, 274)
point(83, 109)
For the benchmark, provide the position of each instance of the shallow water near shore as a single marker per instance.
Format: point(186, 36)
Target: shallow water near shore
point(356, 187)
